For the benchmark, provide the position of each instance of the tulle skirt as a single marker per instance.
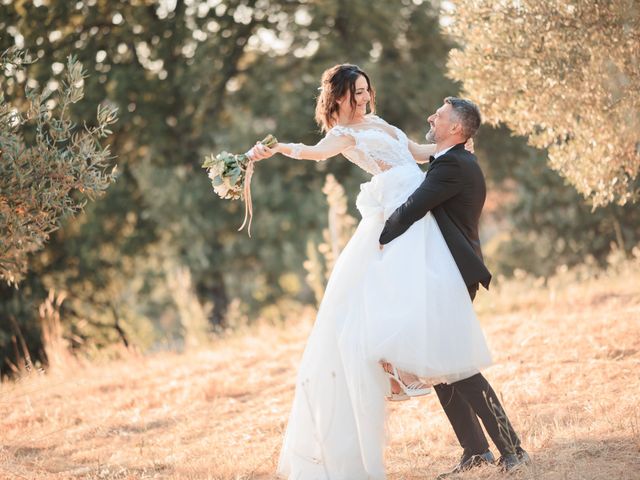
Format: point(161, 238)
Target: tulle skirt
point(406, 304)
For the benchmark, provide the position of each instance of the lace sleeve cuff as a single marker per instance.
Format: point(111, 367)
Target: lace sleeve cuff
point(296, 150)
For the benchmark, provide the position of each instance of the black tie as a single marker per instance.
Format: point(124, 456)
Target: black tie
point(431, 158)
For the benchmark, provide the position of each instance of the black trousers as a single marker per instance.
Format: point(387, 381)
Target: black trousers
point(472, 398)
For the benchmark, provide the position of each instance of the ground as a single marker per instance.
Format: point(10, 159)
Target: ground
point(567, 368)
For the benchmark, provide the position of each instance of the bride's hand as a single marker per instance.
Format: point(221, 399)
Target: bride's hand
point(469, 145)
point(260, 152)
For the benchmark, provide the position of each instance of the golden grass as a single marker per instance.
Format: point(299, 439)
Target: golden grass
point(567, 368)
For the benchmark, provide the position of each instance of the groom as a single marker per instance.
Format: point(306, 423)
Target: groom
point(454, 191)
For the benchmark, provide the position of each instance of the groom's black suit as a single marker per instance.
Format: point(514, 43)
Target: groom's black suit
point(454, 191)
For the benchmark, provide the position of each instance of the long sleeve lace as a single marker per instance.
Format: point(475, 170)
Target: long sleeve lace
point(329, 146)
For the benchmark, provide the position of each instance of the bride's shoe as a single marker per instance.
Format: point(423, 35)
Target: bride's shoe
point(398, 396)
point(413, 389)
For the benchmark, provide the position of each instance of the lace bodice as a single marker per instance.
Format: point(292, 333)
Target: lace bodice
point(379, 146)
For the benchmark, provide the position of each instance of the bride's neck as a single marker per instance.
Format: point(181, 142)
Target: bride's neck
point(346, 120)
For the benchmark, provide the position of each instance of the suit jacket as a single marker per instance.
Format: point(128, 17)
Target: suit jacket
point(454, 190)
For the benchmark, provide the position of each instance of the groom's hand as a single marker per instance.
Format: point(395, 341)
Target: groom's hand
point(392, 228)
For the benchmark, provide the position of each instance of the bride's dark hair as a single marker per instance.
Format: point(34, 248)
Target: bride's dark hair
point(335, 83)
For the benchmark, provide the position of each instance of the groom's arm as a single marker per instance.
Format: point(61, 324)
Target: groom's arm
point(442, 182)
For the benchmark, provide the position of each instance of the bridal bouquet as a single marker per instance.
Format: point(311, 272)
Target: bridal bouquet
point(230, 175)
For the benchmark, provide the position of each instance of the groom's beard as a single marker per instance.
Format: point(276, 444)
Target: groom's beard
point(430, 137)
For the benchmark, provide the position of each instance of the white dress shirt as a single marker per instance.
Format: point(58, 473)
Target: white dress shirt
point(442, 152)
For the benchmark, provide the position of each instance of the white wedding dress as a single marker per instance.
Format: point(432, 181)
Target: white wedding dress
point(407, 304)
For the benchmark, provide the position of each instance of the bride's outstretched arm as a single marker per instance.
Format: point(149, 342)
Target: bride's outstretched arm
point(421, 152)
point(327, 147)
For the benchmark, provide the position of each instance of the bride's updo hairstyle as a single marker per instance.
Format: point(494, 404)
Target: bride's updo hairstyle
point(334, 85)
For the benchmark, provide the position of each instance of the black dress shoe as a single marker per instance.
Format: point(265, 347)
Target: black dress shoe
point(467, 462)
point(513, 461)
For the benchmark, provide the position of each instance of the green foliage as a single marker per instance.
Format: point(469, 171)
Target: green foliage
point(553, 226)
point(50, 167)
point(567, 75)
point(190, 78)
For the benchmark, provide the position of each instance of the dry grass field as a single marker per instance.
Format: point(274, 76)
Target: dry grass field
point(567, 367)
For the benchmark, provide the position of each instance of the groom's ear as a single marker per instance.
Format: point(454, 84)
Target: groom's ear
point(456, 128)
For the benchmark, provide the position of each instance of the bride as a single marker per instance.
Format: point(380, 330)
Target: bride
point(404, 307)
